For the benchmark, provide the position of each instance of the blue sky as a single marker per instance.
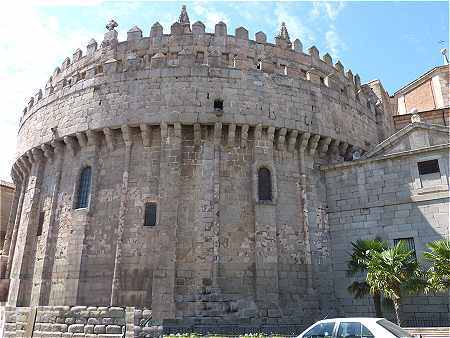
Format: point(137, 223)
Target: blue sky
point(392, 41)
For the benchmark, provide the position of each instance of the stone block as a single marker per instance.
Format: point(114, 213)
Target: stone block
point(116, 312)
point(107, 321)
point(99, 329)
point(88, 329)
point(93, 321)
point(113, 329)
point(74, 328)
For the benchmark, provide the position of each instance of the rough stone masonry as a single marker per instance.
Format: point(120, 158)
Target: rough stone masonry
point(192, 174)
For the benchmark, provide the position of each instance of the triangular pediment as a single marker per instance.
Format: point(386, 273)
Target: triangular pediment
point(415, 136)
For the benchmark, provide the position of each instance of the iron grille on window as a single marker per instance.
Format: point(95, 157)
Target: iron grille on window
point(428, 167)
point(409, 241)
point(150, 214)
point(264, 185)
point(84, 188)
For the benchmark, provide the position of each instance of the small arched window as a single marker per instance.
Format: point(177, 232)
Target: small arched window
point(84, 188)
point(264, 185)
point(259, 64)
point(234, 61)
point(150, 214)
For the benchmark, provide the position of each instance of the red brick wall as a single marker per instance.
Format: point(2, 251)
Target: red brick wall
point(420, 98)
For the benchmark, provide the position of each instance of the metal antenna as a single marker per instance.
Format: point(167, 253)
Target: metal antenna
point(444, 52)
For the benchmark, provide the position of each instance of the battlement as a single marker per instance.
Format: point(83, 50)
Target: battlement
point(190, 46)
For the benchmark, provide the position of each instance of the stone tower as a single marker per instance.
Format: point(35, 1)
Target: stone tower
point(180, 172)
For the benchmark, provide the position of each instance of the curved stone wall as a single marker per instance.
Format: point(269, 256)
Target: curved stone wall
point(177, 77)
point(185, 121)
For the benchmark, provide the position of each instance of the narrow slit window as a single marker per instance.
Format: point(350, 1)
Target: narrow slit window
point(40, 223)
point(264, 185)
point(259, 65)
point(285, 70)
point(226, 58)
point(150, 214)
point(428, 167)
point(84, 188)
point(98, 69)
point(234, 61)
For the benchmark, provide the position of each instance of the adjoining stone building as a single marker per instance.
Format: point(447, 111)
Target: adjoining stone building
point(212, 177)
point(6, 198)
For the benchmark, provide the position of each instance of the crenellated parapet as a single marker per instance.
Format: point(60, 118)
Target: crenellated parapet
point(183, 42)
point(189, 53)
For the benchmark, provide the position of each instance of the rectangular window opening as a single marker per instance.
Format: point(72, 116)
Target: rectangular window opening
point(409, 241)
point(428, 167)
point(199, 57)
point(98, 69)
point(226, 58)
point(150, 214)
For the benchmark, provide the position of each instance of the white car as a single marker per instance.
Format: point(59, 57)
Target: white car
point(355, 328)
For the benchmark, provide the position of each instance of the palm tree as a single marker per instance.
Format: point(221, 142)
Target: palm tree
point(392, 270)
point(358, 263)
point(439, 272)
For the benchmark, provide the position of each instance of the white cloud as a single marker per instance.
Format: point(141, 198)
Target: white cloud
point(295, 27)
point(209, 16)
point(33, 45)
point(330, 9)
point(333, 42)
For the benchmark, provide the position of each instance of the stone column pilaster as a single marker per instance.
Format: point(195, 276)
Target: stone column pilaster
point(43, 268)
point(12, 245)
point(266, 246)
point(216, 207)
point(207, 233)
point(126, 134)
point(163, 289)
point(81, 218)
point(21, 270)
point(302, 188)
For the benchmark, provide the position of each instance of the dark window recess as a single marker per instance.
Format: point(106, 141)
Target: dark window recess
point(98, 69)
point(428, 167)
point(226, 58)
point(264, 185)
point(322, 80)
point(218, 104)
point(41, 223)
point(259, 65)
point(409, 241)
point(150, 214)
point(84, 188)
point(199, 57)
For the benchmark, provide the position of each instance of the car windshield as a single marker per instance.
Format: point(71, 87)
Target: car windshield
point(320, 330)
point(394, 329)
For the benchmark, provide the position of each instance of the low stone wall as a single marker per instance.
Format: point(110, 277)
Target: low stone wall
point(65, 321)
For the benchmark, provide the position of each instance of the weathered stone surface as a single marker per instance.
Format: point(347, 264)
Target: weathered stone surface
point(74, 328)
point(113, 329)
point(99, 328)
point(187, 125)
